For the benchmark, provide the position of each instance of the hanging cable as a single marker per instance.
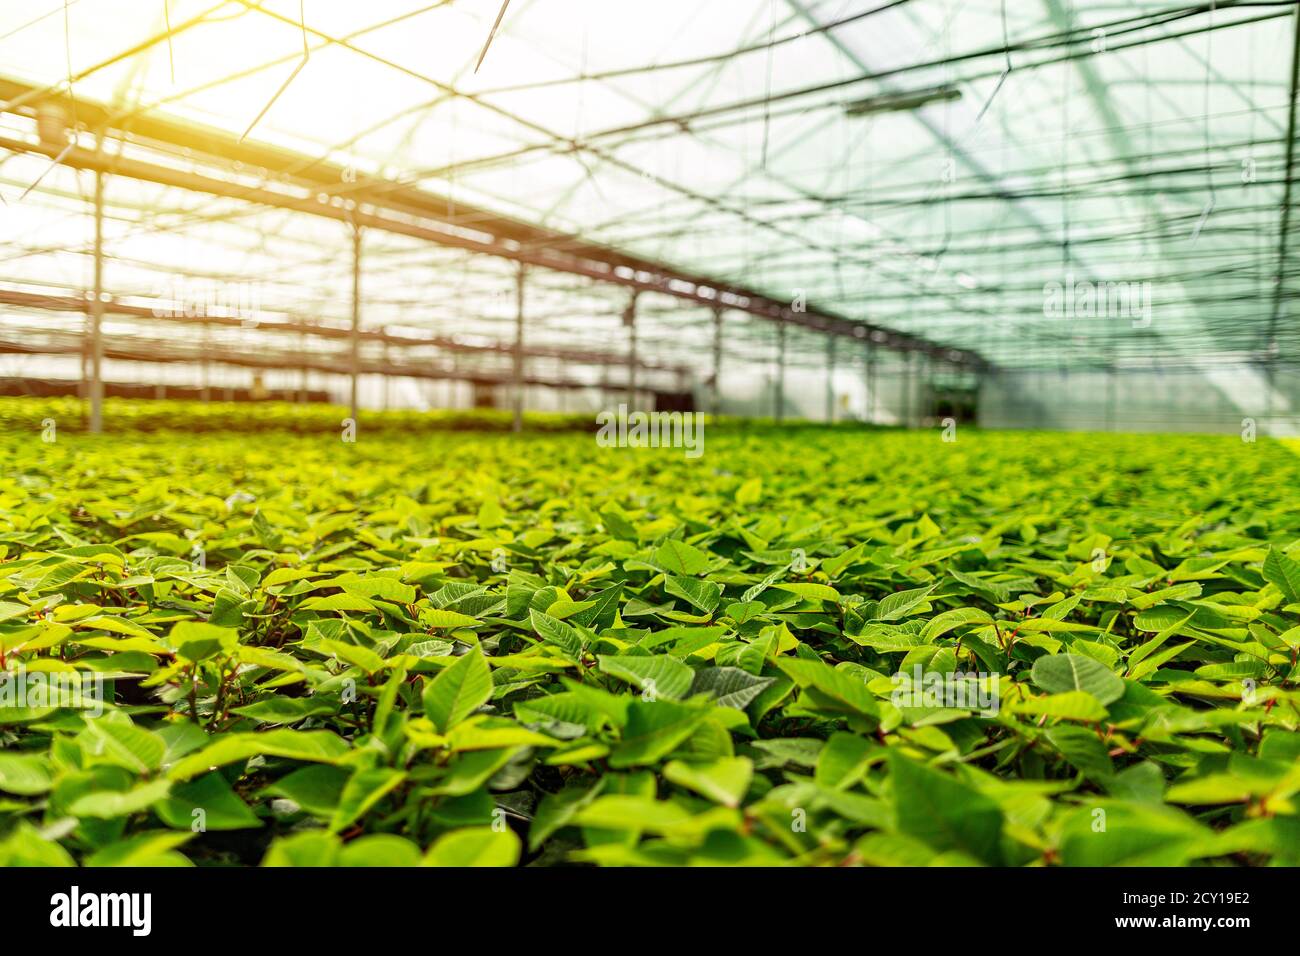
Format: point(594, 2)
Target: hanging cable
point(492, 33)
point(767, 100)
point(1209, 168)
point(171, 53)
point(1006, 70)
point(306, 55)
point(72, 99)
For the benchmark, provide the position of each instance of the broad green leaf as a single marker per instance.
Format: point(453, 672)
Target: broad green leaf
point(458, 690)
point(363, 790)
point(127, 745)
point(679, 557)
point(1066, 705)
point(654, 730)
point(558, 633)
point(810, 592)
point(948, 620)
point(1058, 673)
point(900, 604)
point(314, 746)
point(1282, 572)
point(945, 813)
point(723, 781)
point(657, 675)
point(107, 804)
point(25, 774)
point(729, 686)
point(474, 846)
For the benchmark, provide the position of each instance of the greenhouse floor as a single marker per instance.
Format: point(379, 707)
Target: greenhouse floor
point(807, 645)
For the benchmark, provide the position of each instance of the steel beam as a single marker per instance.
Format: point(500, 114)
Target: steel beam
point(163, 352)
point(53, 303)
point(459, 226)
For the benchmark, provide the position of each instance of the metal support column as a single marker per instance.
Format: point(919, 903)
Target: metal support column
point(518, 377)
point(205, 372)
point(906, 413)
point(629, 320)
point(869, 359)
point(717, 361)
point(97, 316)
point(1111, 392)
point(354, 358)
point(388, 369)
point(302, 372)
point(780, 370)
point(925, 400)
point(830, 379)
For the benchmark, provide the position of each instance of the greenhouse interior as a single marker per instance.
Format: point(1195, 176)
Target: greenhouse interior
point(565, 432)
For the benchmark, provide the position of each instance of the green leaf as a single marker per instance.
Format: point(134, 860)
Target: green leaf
point(386, 589)
point(361, 657)
point(844, 760)
point(25, 774)
point(1067, 705)
point(25, 846)
point(655, 676)
point(723, 781)
point(633, 812)
point(944, 813)
point(1116, 833)
point(152, 848)
point(286, 710)
point(557, 633)
point(750, 493)
point(678, 557)
point(337, 602)
point(811, 592)
point(702, 595)
point(458, 690)
point(317, 746)
point(317, 789)
point(948, 620)
point(900, 604)
point(1058, 673)
point(208, 800)
point(436, 617)
point(196, 641)
point(729, 686)
point(107, 804)
point(363, 790)
point(831, 690)
point(379, 849)
point(654, 730)
point(311, 848)
point(1283, 573)
point(557, 810)
point(475, 846)
point(125, 744)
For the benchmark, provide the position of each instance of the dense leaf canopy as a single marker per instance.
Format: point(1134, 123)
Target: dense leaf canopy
point(462, 649)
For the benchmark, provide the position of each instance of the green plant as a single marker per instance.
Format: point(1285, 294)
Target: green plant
point(468, 649)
